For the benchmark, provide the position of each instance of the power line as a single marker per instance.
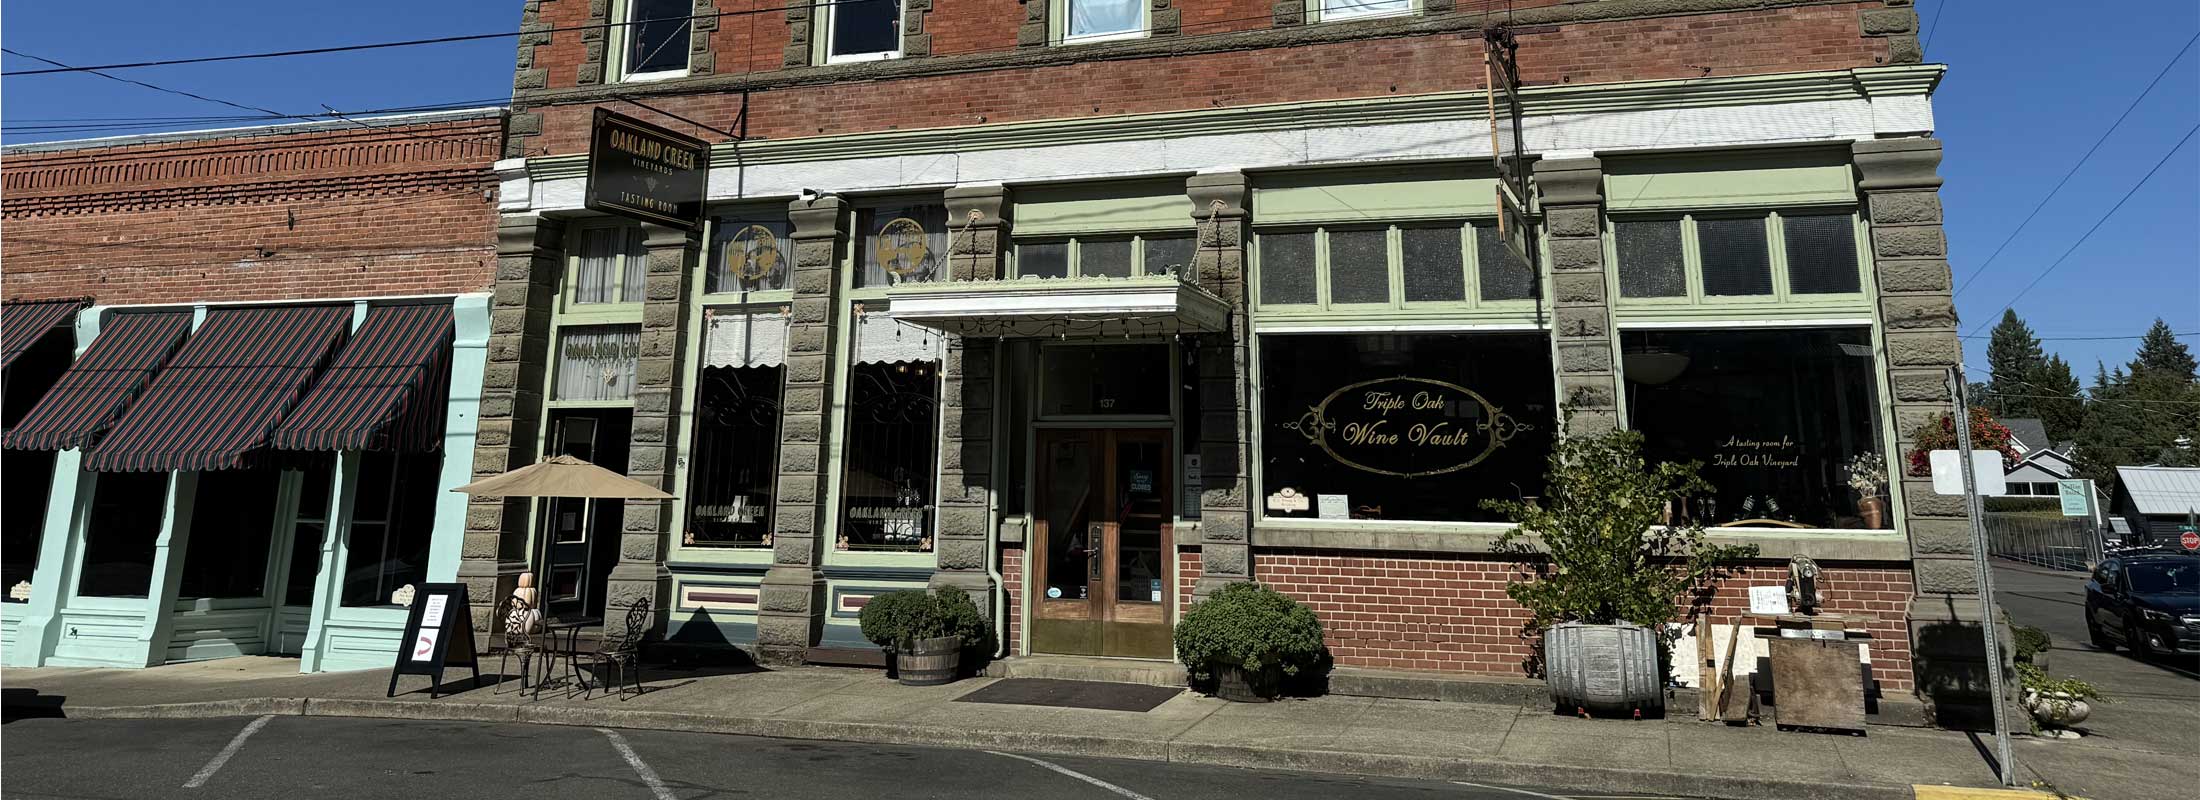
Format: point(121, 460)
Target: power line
point(164, 89)
point(1939, 9)
point(2099, 222)
point(2081, 163)
point(2084, 338)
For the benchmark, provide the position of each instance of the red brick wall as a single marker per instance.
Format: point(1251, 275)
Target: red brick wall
point(339, 213)
point(1450, 614)
point(1693, 46)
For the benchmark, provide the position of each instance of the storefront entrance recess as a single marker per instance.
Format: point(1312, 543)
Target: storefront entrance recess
point(1103, 539)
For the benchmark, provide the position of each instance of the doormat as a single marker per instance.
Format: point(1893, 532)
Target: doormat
point(1072, 694)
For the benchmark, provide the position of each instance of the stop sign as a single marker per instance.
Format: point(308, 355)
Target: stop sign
point(2190, 540)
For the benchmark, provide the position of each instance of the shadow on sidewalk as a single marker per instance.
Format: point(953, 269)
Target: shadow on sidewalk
point(18, 704)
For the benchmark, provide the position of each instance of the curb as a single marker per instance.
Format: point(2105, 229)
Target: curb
point(1559, 776)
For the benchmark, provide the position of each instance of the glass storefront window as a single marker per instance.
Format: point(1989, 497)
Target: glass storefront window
point(749, 255)
point(891, 456)
point(23, 513)
point(1781, 421)
point(900, 244)
point(119, 538)
point(232, 519)
point(392, 523)
point(1403, 427)
point(308, 531)
point(1395, 266)
point(1107, 379)
point(735, 457)
point(597, 362)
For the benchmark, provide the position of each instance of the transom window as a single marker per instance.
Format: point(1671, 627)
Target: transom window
point(1104, 256)
point(1394, 265)
point(901, 243)
point(749, 255)
point(1095, 20)
point(862, 30)
point(1723, 257)
point(608, 265)
point(656, 40)
point(1334, 10)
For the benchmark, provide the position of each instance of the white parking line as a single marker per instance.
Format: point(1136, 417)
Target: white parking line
point(1510, 789)
point(649, 776)
point(1075, 774)
point(222, 757)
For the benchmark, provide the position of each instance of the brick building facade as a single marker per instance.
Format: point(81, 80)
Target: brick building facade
point(249, 368)
point(1048, 300)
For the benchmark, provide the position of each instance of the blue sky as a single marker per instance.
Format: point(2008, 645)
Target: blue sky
point(2030, 88)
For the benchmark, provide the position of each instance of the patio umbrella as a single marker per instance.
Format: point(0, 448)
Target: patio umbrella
point(561, 476)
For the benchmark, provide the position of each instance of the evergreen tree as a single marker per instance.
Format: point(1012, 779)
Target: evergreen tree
point(2060, 406)
point(2013, 355)
point(2159, 351)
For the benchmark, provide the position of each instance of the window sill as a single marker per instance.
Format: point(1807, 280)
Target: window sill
point(1097, 38)
point(1319, 17)
point(660, 75)
point(859, 58)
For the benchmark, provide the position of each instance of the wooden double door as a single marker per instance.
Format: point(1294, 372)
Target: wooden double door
point(1102, 542)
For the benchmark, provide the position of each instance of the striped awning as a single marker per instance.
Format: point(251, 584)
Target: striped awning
point(96, 389)
point(23, 324)
point(225, 391)
point(386, 390)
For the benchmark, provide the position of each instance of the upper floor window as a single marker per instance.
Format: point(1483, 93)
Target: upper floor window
point(1094, 20)
point(1333, 10)
point(656, 40)
point(862, 30)
point(1727, 257)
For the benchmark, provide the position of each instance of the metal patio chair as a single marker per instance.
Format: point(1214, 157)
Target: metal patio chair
point(618, 653)
point(511, 635)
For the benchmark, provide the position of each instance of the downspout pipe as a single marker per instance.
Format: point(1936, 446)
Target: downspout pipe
point(993, 515)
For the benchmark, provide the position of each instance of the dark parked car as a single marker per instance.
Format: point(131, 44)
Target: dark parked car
point(2149, 602)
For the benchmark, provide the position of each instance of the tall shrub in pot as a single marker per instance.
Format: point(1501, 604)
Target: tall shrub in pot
point(924, 633)
point(1604, 560)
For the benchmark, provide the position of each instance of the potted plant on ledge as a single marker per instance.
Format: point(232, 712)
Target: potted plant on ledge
point(1246, 638)
point(1603, 561)
point(925, 634)
point(2056, 703)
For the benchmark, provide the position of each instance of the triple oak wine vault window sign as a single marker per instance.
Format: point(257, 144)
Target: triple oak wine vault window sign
point(1407, 427)
point(645, 172)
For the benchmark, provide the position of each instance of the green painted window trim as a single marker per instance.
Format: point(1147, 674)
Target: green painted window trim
point(775, 301)
point(1783, 302)
point(1739, 180)
point(1397, 307)
point(1075, 252)
point(1112, 207)
point(569, 286)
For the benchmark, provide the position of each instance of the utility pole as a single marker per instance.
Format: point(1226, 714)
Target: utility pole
point(1973, 509)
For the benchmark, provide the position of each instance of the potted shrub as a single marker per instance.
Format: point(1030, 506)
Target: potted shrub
point(2032, 645)
point(1868, 476)
point(1246, 638)
point(1603, 559)
point(2055, 704)
point(1940, 434)
point(925, 634)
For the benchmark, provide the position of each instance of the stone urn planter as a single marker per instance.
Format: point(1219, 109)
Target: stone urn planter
point(2056, 709)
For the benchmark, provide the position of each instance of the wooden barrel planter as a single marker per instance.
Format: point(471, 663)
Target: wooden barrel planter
point(929, 662)
point(1240, 685)
point(1606, 669)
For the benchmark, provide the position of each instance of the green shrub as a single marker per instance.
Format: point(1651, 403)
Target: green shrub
point(1252, 626)
point(1600, 546)
point(2030, 640)
point(893, 618)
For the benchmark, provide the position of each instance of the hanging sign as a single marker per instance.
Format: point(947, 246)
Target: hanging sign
point(1407, 427)
point(439, 632)
point(645, 172)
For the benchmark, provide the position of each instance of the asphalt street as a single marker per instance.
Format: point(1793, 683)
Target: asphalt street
point(289, 757)
point(2154, 702)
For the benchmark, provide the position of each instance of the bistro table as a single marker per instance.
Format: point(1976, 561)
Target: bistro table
point(562, 640)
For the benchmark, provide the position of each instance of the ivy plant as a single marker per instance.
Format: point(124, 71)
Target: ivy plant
point(1252, 626)
point(1604, 544)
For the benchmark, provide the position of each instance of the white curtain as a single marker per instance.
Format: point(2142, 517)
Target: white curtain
point(598, 363)
point(881, 339)
point(1102, 17)
point(1346, 9)
point(735, 339)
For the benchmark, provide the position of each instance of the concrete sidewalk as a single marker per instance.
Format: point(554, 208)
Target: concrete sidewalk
point(1405, 738)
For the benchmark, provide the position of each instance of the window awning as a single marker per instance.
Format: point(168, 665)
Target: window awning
point(23, 324)
point(225, 391)
point(385, 391)
point(95, 390)
point(1157, 305)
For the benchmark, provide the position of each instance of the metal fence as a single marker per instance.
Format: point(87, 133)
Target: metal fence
point(2054, 542)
